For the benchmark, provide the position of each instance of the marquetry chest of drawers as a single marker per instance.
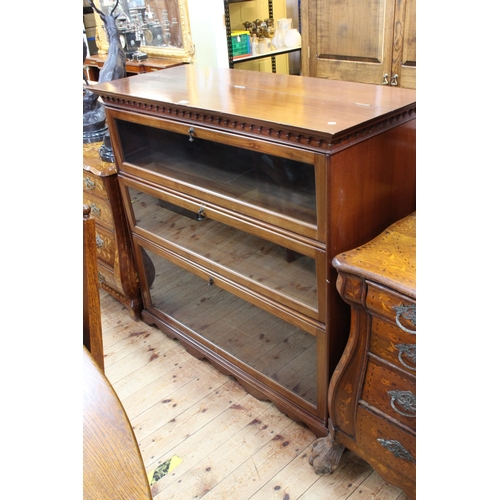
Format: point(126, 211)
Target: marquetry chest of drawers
point(372, 396)
point(116, 265)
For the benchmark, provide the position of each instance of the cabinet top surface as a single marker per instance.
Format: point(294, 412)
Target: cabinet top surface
point(319, 106)
point(389, 259)
point(92, 161)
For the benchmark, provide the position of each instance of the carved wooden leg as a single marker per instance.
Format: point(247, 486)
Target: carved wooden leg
point(326, 453)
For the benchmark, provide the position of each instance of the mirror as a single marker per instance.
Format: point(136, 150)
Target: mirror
point(161, 27)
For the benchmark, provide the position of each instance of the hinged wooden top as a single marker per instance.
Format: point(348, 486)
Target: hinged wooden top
point(315, 113)
point(389, 259)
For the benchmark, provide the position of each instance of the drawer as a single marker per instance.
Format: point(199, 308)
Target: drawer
point(105, 244)
point(391, 392)
point(386, 444)
point(99, 209)
point(94, 184)
point(106, 276)
point(392, 344)
point(398, 309)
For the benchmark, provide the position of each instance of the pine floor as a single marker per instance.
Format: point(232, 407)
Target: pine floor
point(221, 442)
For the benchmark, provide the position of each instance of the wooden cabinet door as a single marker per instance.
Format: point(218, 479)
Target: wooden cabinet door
point(404, 59)
point(367, 41)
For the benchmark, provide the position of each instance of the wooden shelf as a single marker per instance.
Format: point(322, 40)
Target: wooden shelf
point(233, 60)
point(272, 53)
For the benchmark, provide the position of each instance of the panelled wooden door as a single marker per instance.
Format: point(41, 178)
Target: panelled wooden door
point(367, 41)
point(404, 59)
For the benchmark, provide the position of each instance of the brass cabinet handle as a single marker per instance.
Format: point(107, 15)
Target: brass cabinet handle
point(89, 183)
point(95, 209)
point(385, 80)
point(408, 312)
point(397, 449)
point(407, 400)
point(410, 351)
point(191, 134)
point(201, 214)
point(99, 241)
point(394, 80)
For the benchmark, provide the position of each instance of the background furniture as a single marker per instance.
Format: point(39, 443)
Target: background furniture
point(117, 272)
point(251, 14)
point(240, 187)
point(169, 23)
point(92, 327)
point(94, 63)
point(369, 42)
point(372, 395)
point(112, 463)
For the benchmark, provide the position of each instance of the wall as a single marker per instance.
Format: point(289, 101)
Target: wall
point(208, 31)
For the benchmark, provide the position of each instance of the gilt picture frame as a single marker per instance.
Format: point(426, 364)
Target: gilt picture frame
point(163, 25)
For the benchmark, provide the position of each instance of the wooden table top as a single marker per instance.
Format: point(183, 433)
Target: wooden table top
point(112, 463)
point(287, 104)
point(389, 259)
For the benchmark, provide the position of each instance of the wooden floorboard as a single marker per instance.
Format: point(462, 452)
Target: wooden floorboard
point(228, 444)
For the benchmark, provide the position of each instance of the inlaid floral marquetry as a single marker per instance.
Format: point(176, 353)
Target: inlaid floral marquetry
point(391, 258)
point(373, 401)
point(117, 274)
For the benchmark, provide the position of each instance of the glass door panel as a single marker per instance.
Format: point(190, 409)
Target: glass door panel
point(246, 177)
point(275, 271)
point(271, 346)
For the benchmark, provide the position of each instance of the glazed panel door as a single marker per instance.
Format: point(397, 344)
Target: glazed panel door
point(351, 39)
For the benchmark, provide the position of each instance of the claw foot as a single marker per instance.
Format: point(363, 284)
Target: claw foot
point(326, 455)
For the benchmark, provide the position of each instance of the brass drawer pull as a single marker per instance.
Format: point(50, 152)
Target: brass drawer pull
point(191, 134)
point(397, 449)
point(89, 183)
point(201, 214)
point(410, 351)
point(95, 209)
point(99, 241)
point(408, 312)
point(407, 400)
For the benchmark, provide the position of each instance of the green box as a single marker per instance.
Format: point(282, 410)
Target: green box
point(240, 41)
